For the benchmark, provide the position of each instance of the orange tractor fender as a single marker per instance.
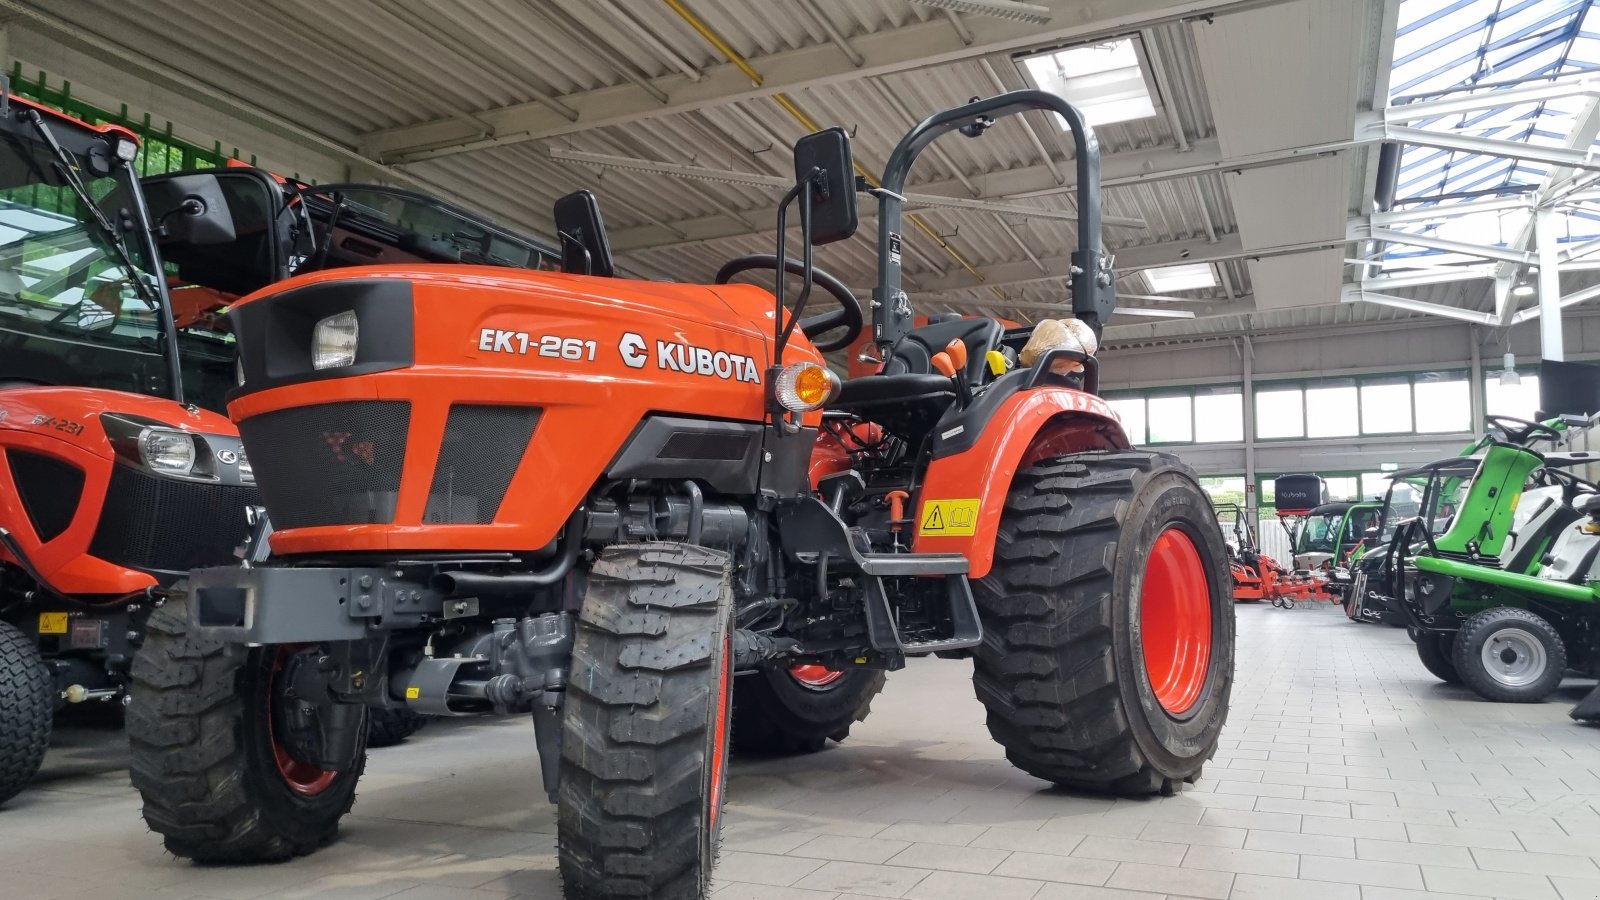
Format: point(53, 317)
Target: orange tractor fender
point(958, 505)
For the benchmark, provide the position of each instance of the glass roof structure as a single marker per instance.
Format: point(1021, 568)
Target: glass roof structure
point(1449, 48)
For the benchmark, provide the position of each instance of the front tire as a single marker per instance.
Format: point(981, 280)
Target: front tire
point(1436, 651)
point(644, 744)
point(1510, 655)
point(1107, 659)
point(216, 784)
point(783, 711)
point(27, 702)
point(388, 727)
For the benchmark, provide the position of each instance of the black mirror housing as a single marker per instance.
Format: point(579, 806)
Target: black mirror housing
point(823, 161)
point(585, 249)
point(191, 209)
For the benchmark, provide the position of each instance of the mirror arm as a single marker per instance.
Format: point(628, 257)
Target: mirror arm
point(804, 189)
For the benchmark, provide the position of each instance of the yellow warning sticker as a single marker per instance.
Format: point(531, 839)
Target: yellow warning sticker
point(53, 623)
point(949, 518)
point(413, 693)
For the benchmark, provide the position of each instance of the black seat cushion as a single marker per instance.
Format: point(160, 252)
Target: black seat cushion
point(913, 354)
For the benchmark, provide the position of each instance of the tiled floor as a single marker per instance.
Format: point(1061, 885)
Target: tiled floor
point(1346, 773)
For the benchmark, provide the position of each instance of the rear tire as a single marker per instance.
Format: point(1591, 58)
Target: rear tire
point(1063, 669)
point(388, 727)
point(1510, 655)
point(776, 713)
point(645, 728)
point(27, 702)
point(1436, 651)
point(202, 751)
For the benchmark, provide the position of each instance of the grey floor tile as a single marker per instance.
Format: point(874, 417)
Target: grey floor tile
point(1267, 887)
point(958, 886)
point(1511, 885)
point(1171, 880)
point(1069, 869)
point(975, 860)
point(862, 878)
point(1361, 871)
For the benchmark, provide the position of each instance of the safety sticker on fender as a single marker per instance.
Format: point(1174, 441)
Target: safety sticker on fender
point(948, 518)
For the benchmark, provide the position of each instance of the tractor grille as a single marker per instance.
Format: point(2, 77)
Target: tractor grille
point(330, 464)
point(154, 522)
point(50, 491)
point(481, 449)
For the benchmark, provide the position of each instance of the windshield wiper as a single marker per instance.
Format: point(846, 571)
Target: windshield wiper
point(67, 167)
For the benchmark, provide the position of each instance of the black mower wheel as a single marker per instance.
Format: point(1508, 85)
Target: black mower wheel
point(644, 744)
point(1437, 653)
point(27, 702)
point(1108, 625)
point(216, 784)
point(388, 727)
point(783, 711)
point(1510, 655)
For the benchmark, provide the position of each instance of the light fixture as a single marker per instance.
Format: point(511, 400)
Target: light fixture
point(1508, 375)
point(1105, 81)
point(999, 9)
point(1191, 277)
point(1523, 290)
point(1153, 313)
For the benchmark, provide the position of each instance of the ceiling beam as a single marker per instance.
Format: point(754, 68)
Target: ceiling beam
point(1353, 293)
point(885, 52)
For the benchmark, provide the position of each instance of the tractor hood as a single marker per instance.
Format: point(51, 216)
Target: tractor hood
point(79, 415)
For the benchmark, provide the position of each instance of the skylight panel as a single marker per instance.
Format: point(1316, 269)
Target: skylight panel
point(1106, 82)
point(1192, 277)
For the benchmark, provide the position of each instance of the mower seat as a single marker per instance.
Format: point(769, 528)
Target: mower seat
point(1547, 520)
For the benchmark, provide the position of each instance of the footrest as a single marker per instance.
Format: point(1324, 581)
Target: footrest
point(886, 565)
point(883, 632)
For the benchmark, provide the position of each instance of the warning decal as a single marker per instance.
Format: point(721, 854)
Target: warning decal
point(948, 518)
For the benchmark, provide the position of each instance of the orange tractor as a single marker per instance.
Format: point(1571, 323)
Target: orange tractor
point(595, 501)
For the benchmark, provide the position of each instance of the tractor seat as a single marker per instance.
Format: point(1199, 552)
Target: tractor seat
point(909, 397)
point(913, 354)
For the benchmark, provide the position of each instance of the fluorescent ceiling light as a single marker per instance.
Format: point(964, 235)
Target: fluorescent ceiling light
point(1000, 9)
point(1523, 290)
point(1104, 81)
point(1153, 313)
point(1193, 277)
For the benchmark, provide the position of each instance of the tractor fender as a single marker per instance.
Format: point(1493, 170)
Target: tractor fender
point(959, 503)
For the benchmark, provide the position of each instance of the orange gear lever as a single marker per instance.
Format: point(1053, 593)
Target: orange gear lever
point(957, 351)
point(944, 364)
point(897, 508)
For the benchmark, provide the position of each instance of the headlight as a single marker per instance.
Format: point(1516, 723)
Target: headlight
point(127, 150)
point(805, 386)
point(333, 341)
point(247, 472)
point(167, 451)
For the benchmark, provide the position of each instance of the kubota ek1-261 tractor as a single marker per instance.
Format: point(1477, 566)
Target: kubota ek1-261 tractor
point(596, 501)
point(115, 480)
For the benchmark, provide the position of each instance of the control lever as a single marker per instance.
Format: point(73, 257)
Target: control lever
point(956, 350)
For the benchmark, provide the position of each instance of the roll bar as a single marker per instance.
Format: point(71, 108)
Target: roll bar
point(1093, 288)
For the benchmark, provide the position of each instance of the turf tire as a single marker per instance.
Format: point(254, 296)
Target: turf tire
point(1061, 667)
point(388, 727)
point(27, 702)
point(1481, 627)
point(645, 727)
point(1436, 651)
point(202, 751)
point(776, 715)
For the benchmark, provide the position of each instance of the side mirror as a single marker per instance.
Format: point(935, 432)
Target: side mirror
point(823, 160)
point(191, 209)
point(585, 249)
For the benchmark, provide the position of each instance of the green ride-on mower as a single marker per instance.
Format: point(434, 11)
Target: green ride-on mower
point(1507, 599)
point(1429, 492)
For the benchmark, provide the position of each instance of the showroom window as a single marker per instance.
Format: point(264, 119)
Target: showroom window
point(1424, 402)
point(1520, 400)
point(1203, 416)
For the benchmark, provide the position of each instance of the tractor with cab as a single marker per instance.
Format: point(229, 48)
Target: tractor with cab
point(649, 517)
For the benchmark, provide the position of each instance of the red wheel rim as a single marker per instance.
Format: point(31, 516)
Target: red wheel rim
point(719, 734)
point(1175, 622)
point(815, 676)
point(302, 778)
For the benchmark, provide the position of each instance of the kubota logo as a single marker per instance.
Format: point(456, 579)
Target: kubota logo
point(632, 349)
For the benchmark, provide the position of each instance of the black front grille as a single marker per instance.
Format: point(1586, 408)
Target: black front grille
point(154, 522)
point(482, 447)
point(330, 464)
point(50, 489)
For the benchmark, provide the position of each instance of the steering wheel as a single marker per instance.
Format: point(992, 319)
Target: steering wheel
point(1519, 435)
point(849, 316)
